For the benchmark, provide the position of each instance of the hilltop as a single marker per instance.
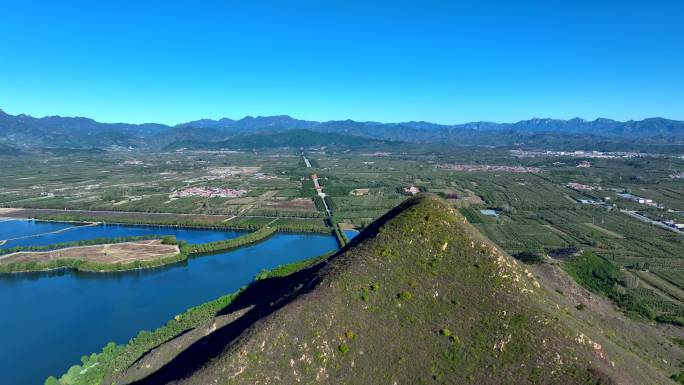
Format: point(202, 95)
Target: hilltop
point(419, 297)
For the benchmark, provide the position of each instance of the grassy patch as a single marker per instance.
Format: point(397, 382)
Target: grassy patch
point(600, 276)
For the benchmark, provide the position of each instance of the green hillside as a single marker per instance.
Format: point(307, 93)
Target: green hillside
point(416, 299)
point(419, 297)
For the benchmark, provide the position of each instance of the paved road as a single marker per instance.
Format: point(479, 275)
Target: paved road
point(306, 160)
point(642, 218)
point(320, 193)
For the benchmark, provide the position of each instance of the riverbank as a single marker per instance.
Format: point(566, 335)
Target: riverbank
point(228, 244)
point(342, 239)
point(195, 221)
point(121, 304)
point(191, 324)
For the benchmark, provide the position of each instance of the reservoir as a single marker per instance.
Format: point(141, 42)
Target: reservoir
point(41, 233)
point(49, 320)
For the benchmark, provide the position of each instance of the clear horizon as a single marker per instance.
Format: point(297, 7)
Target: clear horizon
point(442, 62)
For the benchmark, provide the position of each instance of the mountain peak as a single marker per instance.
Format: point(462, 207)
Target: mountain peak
point(417, 297)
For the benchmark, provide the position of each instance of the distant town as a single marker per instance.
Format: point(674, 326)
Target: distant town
point(583, 154)
point(208, 192)
point(488, 167)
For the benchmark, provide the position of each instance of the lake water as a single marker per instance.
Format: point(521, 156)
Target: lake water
point(350, 234)
point(41, 233)
point(49, 320)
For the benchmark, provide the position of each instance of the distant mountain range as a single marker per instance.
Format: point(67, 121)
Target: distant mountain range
point(25, 132)
point(651, 127)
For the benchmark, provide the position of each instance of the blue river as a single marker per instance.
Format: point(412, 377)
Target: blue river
point(49, 320)
point(41, 233)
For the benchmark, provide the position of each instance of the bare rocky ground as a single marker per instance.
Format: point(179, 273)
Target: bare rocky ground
point(646, 347)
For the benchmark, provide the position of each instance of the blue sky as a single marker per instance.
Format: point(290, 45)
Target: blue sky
point(441, 61)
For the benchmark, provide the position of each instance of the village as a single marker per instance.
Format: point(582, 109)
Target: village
point(488, 167)
point(208, 192)
point(583, 154)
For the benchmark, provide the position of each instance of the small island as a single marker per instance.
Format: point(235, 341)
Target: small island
point(109, 253)
point(118, 254)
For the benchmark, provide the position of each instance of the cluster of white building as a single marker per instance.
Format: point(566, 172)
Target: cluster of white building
point(413, 190)
point(579, 186)
point(133, 162)
point(640, 200)
point(208, 192)
point(262, 176)
point(488, 167)
point(582, 154)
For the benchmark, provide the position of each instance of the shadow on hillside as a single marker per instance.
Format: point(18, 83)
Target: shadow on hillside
point(266, 296)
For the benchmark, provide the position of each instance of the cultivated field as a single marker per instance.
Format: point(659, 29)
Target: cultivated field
point(537, 209)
